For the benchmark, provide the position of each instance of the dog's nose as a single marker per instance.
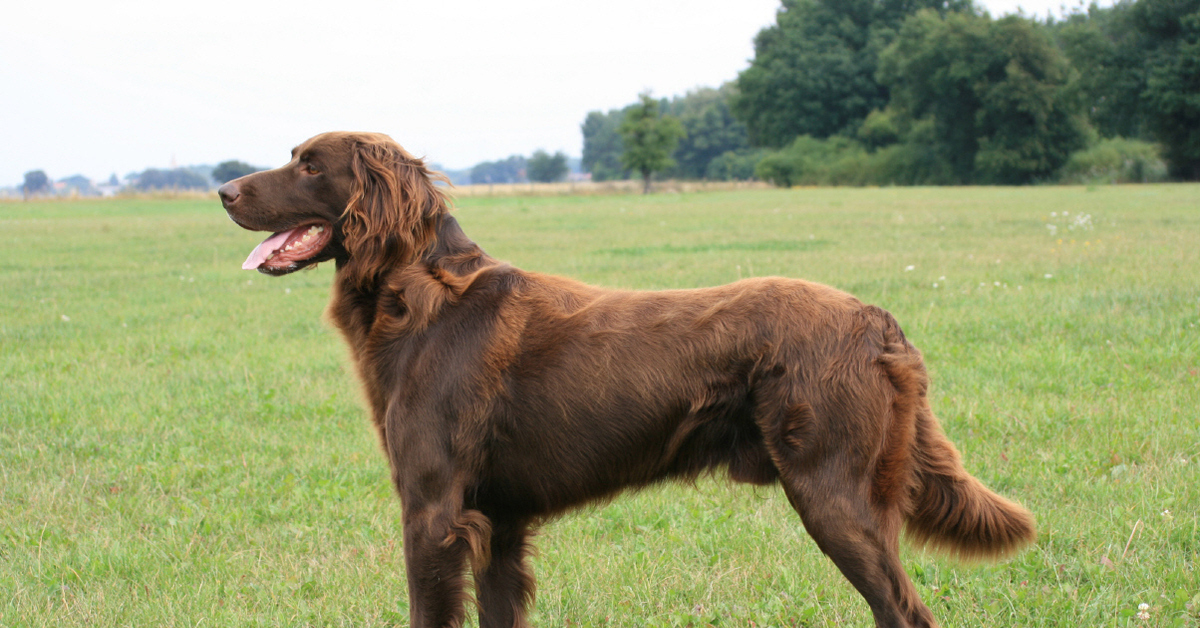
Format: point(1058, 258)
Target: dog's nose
point(228, 193)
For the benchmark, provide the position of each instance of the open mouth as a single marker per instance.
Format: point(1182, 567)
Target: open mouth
point(285, 249)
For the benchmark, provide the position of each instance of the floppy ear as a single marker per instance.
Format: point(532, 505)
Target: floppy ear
point(390, 218)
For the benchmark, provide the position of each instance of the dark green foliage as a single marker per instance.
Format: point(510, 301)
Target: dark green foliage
point(230, 170)
point(935, 92)
point(997, 92)
point(1172, 95)
point(710, 130)
point(1105, 48)
point(814, 71)
point(511, 170)
point(174, 179)
point(1115, 160)
point(36, 182)
point(649, 139)
point(1139, 73)
point(544, 167)
point(602, 146)
point(735, 165)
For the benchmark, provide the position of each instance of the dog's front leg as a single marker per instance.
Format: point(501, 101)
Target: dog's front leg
point(505, 585)
point(439, 538)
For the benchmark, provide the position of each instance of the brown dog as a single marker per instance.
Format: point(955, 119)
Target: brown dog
point(503, 397)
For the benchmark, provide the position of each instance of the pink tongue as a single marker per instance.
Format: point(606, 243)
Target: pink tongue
point(260, 252)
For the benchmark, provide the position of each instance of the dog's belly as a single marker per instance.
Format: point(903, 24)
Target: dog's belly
point(547, 460)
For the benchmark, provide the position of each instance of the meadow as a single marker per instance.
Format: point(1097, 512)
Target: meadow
point(182, 442)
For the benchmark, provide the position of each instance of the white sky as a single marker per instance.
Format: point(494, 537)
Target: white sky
point(103, 87)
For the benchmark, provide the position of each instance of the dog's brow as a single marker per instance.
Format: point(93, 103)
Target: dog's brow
point(294, 149)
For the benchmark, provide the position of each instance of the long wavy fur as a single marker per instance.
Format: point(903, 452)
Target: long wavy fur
point(392, 211)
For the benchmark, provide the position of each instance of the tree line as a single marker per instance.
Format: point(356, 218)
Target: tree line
point(36, 182)
point(541, 167)
point(934, 92)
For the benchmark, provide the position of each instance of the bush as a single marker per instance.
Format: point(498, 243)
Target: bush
point(808, 161)
point(734, 165)
point(1115, 160)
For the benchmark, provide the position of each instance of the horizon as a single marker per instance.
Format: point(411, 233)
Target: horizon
point(162, 85)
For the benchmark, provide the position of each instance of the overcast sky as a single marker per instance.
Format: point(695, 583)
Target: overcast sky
point(115, 87)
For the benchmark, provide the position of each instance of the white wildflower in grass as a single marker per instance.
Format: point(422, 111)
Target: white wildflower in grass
point(1048, 276)
point(909, 267)
point(1053, 229)
point(1053, 214)
point(935, 284)
point(66, 319)
point(1081, 221)
point(1143, 611)
point(942, 278)
point(1166, 514)
point(287, 290)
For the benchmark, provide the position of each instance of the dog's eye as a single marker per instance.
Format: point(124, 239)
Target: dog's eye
point(309, 168)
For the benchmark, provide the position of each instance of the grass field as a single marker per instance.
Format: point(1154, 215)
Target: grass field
point(182, 442)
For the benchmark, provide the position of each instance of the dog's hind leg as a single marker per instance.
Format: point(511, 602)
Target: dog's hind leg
point(862, 539)
point(505, 586)
point(823, 478)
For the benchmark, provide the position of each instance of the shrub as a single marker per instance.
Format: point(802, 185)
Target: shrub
point(734, 165)
point(1116, 160)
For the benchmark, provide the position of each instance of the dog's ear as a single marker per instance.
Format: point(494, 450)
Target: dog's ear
point(390, 218)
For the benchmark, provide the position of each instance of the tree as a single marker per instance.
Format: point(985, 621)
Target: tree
point(35, 181)
point(649, 139)
point(229, 170)
point(710, 130)
point(79, 184)
point(813, 72)
point(602, 146)
point(546, 168)
point(510, 170)
point(177, 179)
point(1172, 94)
point(1106, 49)
point(998, 94)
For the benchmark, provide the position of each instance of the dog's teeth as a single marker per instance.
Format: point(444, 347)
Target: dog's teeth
point(320, 228)
point(287, 248)
point(269, 257)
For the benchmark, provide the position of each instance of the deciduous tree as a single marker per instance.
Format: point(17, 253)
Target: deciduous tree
point(602, 146)
point(813, 71)
point(36, 181)
point(997, 92)
point(229, 170)
point(1172, 94)
point(546, 168)
point(649, 139)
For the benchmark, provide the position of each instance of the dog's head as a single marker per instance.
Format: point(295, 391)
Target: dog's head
point(358, 198)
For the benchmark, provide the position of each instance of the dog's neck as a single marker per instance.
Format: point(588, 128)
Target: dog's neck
point(449, 256)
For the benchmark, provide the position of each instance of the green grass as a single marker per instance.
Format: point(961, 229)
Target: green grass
point(182, 443)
